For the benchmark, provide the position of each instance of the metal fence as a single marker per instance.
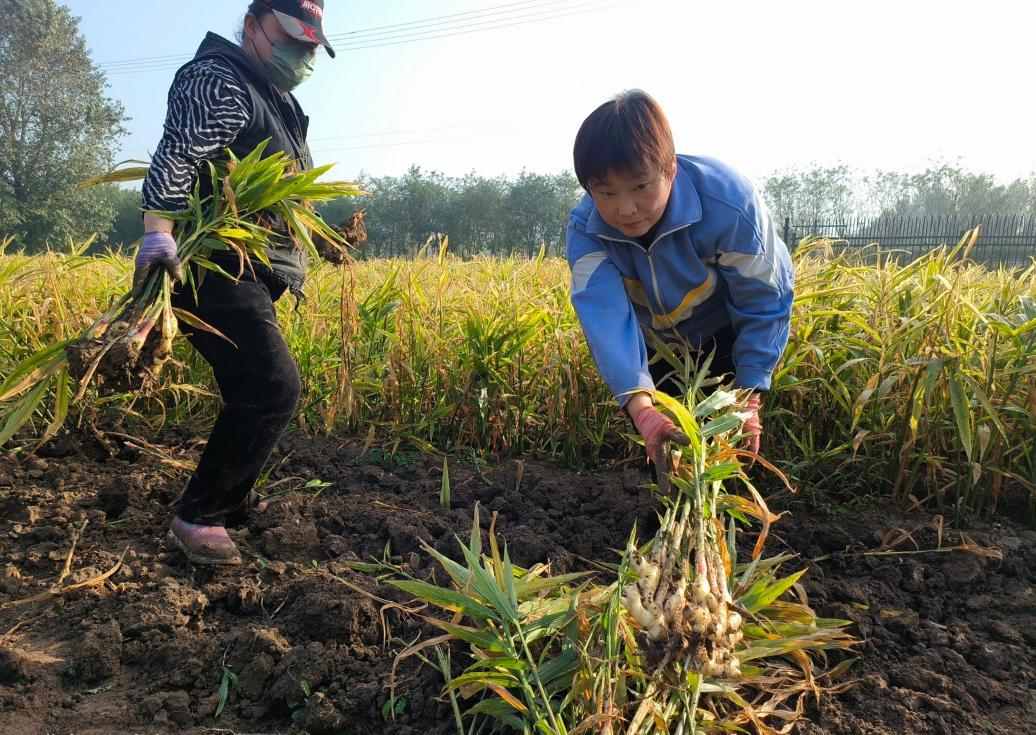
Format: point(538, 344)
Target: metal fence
point(1005, 239)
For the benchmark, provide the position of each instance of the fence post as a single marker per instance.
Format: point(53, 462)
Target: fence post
point(787, 233)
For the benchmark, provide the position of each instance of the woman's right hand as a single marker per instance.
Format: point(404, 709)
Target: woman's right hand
point(157, 251)
point(656, 429)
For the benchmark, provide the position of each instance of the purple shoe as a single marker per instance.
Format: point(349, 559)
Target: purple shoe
point(209, 545)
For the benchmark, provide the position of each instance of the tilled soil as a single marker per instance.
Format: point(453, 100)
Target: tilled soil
point(949, 636)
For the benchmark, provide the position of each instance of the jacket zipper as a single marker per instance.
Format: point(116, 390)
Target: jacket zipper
point(651, 264)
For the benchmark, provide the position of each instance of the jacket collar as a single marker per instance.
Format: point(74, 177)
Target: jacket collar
point(683, 210)
point(215, 45)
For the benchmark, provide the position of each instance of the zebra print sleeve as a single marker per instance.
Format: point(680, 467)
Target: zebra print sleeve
point(208, 109)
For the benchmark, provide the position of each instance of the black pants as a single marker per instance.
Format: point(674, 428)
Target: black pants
point(260, 385)
point(722, 362)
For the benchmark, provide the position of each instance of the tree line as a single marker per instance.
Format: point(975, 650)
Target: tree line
point(519, 215)
point(498, 215)
point(825, 194)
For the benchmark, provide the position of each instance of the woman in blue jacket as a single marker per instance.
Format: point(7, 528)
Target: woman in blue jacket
point(679, 246)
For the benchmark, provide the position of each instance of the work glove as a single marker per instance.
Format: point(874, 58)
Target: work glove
point(753, 428)
point(655, 428)
point(157, 251)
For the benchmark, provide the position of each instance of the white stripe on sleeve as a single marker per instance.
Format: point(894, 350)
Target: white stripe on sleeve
point(584, 268)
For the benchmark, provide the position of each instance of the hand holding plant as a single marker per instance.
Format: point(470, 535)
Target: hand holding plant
point(656, 429)
point(122, 350)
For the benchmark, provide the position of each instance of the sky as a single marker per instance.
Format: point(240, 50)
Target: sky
point(498, 86)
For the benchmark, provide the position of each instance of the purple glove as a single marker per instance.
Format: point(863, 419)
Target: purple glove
point(157, 250)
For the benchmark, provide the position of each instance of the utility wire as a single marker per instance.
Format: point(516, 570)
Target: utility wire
point(359, 43)
point(411, 142)
point(363, 33)
point(444, 19)
point(480, 25)
point(411, 131)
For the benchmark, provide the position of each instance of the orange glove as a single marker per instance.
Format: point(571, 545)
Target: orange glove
point(753, 428)
point(656, 429)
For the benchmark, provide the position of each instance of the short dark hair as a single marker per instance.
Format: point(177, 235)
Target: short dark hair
point(626, 135)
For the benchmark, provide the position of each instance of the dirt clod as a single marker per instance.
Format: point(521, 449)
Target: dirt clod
point(12, 665)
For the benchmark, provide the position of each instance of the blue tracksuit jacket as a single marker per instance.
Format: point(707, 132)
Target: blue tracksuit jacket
point(716, 260)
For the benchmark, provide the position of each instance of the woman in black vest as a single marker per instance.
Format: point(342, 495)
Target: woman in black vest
point(234, 96)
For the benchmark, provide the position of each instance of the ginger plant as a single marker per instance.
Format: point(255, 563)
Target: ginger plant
point(686, 641)
point(127, 345)
point(682, 595)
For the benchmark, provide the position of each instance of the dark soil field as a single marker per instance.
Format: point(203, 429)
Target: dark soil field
point(949, 636)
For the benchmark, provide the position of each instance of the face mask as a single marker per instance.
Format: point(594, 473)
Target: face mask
point(290, 65)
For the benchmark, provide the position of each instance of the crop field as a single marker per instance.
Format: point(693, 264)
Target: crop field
point(462, 538)
point(916, 379)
